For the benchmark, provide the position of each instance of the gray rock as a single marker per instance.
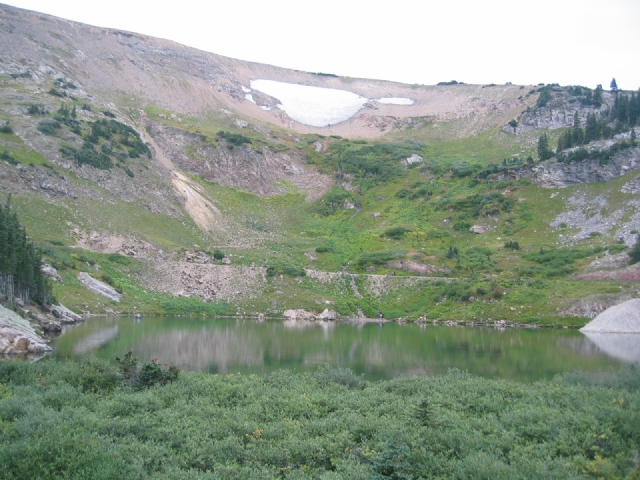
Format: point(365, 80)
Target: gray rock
point(98, 287)
point(415, 158)
point(328, 315)
point(50, 272)
point(478, 229)
point(65, 315)
point(622, 318)
point(17, 336)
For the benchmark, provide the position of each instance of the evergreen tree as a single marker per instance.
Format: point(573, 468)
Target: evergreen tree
point(634, 254)
point(544, 152)
point(20, 262)
point(597, 96)
point(614, 85)
point(591, 130)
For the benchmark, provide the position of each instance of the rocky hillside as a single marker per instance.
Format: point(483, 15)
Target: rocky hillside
point(166, 174)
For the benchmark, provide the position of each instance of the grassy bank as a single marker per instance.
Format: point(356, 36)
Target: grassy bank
point(76, 420)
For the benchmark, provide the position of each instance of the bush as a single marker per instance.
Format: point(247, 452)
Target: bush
point(148, 375)
point(218, 254)
point(380, 258)
point(396, 233)
point(274, 270)
point(48, 127)
point(6, 128)
point(57, 93)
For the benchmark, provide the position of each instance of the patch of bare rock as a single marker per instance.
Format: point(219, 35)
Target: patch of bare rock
point(621, 318)
point(304, 315)
point(17, 335)
point(98, 287)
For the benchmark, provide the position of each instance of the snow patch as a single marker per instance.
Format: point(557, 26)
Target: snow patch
point(245, 89)
point(249, 97)
point(315, 106)
point(265, 107)
point(395, 100)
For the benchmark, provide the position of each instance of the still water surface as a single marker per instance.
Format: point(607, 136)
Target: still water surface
point(379, 351)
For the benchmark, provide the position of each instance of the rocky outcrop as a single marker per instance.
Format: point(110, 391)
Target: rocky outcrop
point(51, 273)
point(558, 113)
point(479, 229)
point(98, 287)
point(552, 174)
point(64, 315)
point(304, 315)
point(259, 171)
point(17, 336)
point(621, 318)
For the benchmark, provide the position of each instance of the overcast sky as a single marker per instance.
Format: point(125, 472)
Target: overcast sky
point(583, 42)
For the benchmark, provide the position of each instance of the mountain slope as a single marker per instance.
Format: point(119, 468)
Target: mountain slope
point(160, 169)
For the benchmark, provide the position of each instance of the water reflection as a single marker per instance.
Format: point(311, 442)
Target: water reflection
point(377, 350)
point(624, 346)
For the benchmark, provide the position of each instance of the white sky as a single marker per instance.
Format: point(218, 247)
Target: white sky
point(570, 42)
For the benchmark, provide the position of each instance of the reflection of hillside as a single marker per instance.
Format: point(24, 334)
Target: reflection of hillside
point(199, 350)
point(623, 346)
point(95, 340)
point(580, 345)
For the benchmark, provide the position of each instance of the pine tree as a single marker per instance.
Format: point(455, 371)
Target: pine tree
point(614, 85)
point(634, 254)
point(544, 152)
point(591, 130)
point(20, 262)
point(597, 96)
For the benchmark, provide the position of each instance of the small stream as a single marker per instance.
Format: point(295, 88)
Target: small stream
point(377, 350)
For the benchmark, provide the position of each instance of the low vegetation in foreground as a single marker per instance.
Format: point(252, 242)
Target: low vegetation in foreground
point(86, 420)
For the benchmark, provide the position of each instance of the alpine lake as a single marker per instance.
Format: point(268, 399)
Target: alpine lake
point(376, 350)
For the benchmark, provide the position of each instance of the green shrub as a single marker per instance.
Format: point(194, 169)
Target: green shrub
point(380, 258)
point(396, 233)
point(48, 127)
point(274, 270)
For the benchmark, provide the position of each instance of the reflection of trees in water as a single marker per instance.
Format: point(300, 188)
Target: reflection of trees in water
point(193, 350)
point(623, 346)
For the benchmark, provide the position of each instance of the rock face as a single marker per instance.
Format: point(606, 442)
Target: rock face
point(98, 287)
point(17, 336)
point(560, 175)
point(622, 318)
point(241, 166)
point(558, 113)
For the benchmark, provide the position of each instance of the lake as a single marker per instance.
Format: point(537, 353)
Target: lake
point(379, 351)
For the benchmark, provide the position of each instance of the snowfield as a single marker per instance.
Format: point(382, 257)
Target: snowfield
point(396, 101)
point(315, 106)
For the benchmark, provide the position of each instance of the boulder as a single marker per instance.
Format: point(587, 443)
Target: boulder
point(64, 315)
point(50, 272)
point(328, 315)
point(621, 318)
point(478, 229)
point(415, 158)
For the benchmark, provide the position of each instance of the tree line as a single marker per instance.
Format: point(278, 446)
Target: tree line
point(20, 262)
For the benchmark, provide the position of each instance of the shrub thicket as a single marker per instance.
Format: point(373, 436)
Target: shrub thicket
point(73, 420)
